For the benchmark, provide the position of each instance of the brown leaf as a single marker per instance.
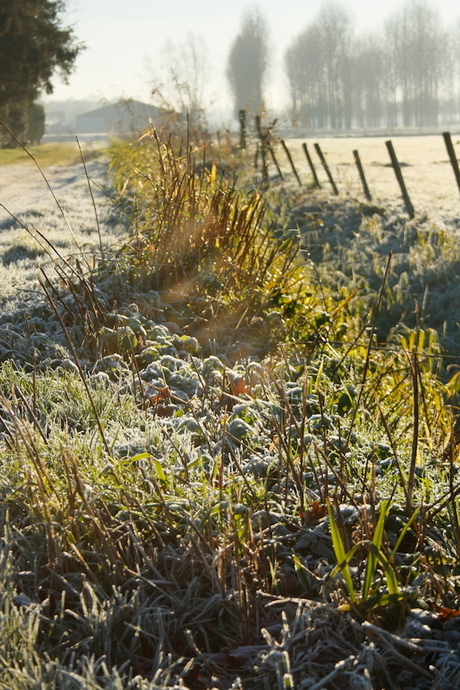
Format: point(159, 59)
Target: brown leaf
point(446, 614)
point(239, 387)
point(163, 394)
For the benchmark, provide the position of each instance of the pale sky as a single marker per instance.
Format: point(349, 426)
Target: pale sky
point(123, 36)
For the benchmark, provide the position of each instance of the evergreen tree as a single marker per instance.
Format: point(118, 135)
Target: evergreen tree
point(34, 44)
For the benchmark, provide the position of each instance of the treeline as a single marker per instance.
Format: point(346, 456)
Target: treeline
point(408, 74)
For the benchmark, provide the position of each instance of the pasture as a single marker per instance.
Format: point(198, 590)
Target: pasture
point(424, 161)
point(47, 154)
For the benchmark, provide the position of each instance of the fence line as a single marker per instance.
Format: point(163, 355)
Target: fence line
point(265, 145)
point(394, 162)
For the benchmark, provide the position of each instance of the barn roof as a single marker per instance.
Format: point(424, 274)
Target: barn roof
point(124, 108)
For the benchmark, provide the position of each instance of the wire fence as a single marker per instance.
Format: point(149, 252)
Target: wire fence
point(274, 159)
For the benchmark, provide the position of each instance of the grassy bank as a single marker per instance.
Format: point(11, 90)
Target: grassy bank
point(226, 462)
point(48, 154)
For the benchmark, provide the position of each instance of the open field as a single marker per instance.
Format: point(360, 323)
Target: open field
point(27, 205)
point(47, 154)
point(425, 165)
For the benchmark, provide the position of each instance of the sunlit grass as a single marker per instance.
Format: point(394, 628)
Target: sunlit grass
point(217, 454)
point(52, 153)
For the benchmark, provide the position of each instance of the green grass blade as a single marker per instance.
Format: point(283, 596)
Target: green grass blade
point(159, 469)
point(371, 563)
point(390, 575)
point(339, 551)
point(348, 557)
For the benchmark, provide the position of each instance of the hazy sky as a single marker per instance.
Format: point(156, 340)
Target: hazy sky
point(122, 36)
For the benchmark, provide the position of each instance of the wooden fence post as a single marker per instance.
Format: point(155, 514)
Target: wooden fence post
point(256, 158)
point(367, 193)
point(288, 154)
point(452, 156)
point(272, 154)
point(312, 167)
point(399, 177)
point(326, 168)
point(263, 150)
point(242, 115)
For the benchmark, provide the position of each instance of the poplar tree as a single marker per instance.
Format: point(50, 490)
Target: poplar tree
point(248, 63)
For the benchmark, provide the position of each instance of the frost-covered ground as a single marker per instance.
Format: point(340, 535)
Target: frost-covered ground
point(25, 200)
point(174, 411)
point(425, 165)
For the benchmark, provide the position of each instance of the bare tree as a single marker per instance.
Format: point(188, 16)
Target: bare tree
point(368, 81)
point(180, 85)
point(416, 47)
point(305, 68)
point(335, 27)
point(319, 69)
point(448, 90)
point(409, 73)
point(451, 76)
point(248, 62)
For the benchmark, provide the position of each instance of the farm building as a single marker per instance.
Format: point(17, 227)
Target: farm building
point(122, 118)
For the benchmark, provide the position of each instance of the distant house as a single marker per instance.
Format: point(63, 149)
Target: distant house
point(119, 119)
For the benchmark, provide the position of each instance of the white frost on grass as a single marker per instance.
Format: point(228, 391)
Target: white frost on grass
point(425, 165)
point(29, 203)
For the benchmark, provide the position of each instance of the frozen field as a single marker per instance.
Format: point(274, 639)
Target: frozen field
point(26, 200)
point(424, 161)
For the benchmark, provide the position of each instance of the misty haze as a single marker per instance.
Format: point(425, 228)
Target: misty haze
point(404, 73)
